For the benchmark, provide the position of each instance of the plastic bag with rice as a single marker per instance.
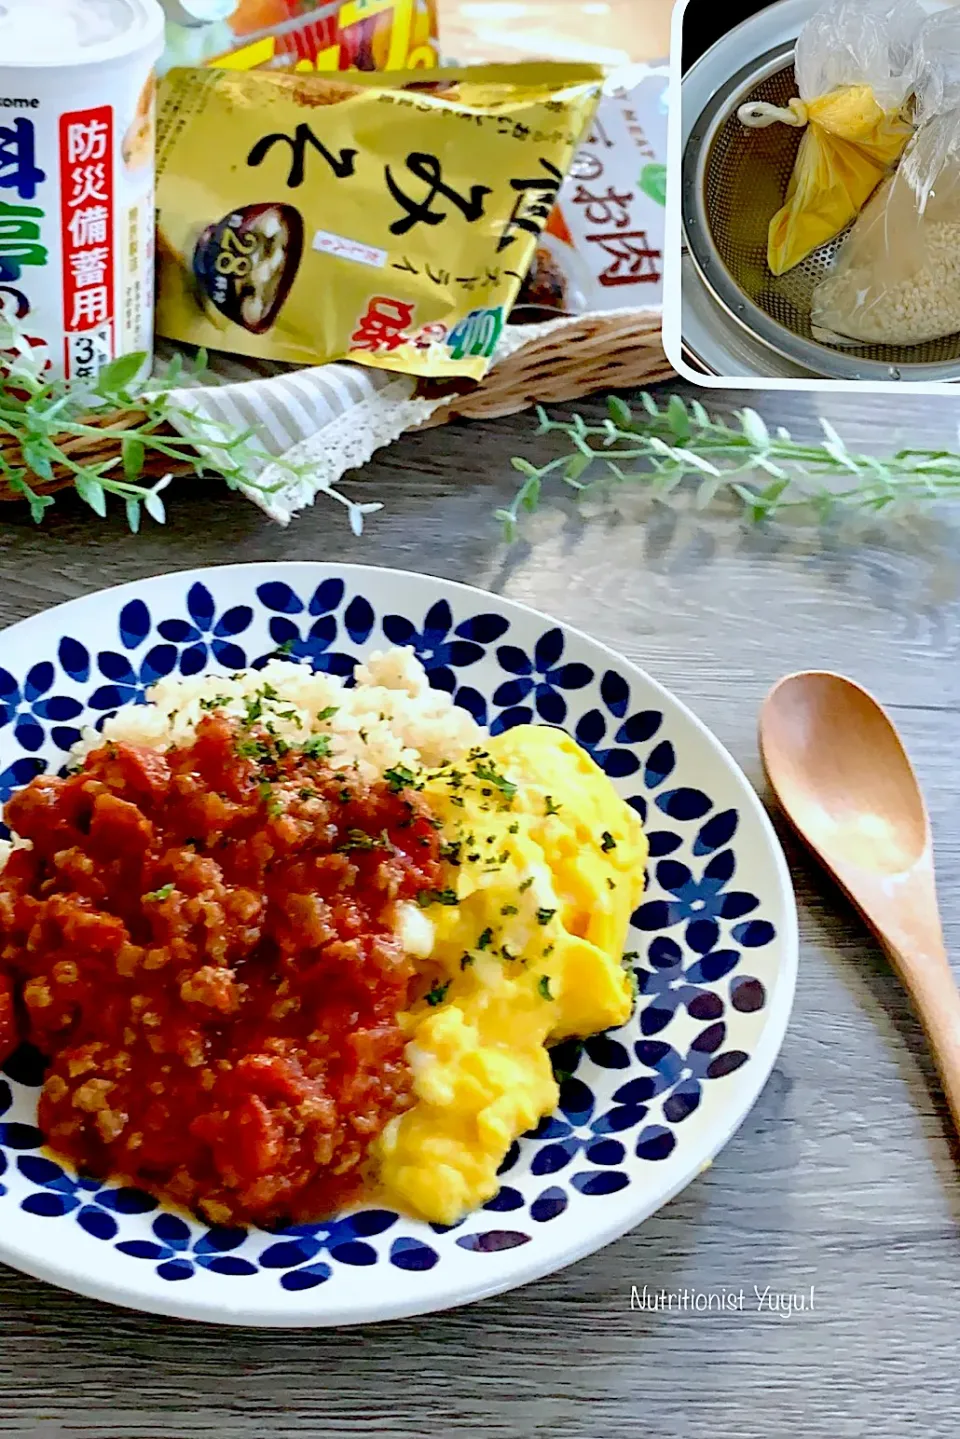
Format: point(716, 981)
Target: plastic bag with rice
point(896, 277)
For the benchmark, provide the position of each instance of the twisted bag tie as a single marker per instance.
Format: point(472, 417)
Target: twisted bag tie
point(757, 114)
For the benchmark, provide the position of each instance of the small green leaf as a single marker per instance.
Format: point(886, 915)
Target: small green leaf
point(620, 412)
point(761, 462)
point(119, 375)
point(91, 491)
point(773, 492)
point(577, 465)
point(649, 404)
point(509, 522)
point(832, 435)
point(678, 419)
point(697, 462)
point(755, 507)
point(134, 454)
point(38, 504)
point(37, 459)
point(653, 183)
point(153, 505)
point(524, 466)
point(754, 429)
point(133, 515)
point(529, 496)
point(707, 492)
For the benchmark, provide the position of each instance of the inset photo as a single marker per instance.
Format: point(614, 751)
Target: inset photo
point(814, 193)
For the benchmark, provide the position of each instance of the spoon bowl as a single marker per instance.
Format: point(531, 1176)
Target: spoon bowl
point(859, 799)
point(839, 770)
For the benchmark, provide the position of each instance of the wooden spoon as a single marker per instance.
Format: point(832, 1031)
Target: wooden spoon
point(839, 769)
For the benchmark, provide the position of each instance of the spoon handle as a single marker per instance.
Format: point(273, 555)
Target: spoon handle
point(933, 989)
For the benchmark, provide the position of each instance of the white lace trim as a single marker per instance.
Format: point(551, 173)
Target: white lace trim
point(344, 444)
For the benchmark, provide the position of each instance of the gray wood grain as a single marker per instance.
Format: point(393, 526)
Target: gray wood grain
point(844, 1176)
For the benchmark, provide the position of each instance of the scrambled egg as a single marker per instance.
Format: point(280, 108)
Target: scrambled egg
point(523, 949)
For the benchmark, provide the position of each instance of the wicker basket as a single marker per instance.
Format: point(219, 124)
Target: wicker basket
point(575, 358)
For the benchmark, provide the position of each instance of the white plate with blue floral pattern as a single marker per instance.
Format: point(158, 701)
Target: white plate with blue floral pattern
point(642, 1110)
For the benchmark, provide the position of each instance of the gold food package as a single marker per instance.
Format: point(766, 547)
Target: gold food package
point(389, 221)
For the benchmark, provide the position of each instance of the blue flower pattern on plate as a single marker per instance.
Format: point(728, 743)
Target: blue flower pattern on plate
point(30, 706)
point(623, 1096)
point(539, 683)
point(578, 1130)
point(680, 1077)
point(314, 643)
point(203, 634)
point(128, 680)
point(442, 648)
point(668, 984)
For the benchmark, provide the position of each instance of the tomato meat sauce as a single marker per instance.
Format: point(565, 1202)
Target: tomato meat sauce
point(202, 942)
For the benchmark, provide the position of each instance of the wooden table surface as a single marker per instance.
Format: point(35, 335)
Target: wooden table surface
point(843, 1177)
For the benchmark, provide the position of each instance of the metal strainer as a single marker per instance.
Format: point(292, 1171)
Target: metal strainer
point(734, 181)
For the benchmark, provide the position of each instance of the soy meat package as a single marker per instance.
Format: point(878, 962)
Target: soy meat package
point(854, 71)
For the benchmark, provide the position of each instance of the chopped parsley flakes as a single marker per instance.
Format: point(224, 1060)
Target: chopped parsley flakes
point(426, 897)
point(544, 916)
point(490, 775)
point(485, 940)
point(543, 985)
point(358, 839)
point(549, 806)
point(437, 993)
point(607, 842)
point(252, 708)
point(316, 747)
point(273, 802)
point(157, 895)
point(399, 778)
point(256, 749)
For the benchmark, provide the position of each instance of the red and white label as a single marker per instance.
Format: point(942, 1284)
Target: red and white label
point(87, 221)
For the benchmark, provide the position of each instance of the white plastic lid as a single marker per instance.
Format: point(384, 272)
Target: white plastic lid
point(42, 34)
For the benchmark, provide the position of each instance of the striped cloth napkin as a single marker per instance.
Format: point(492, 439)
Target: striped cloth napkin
point(312, 425)
point(319, 422)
